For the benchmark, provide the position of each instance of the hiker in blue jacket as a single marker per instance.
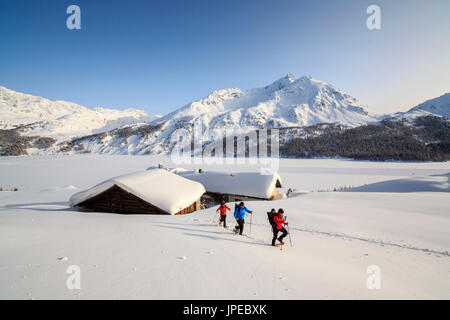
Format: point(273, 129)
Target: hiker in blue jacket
point(239, 214)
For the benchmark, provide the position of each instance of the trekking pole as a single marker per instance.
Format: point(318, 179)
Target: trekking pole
point(251, 219)
point(213, 218)
point(289, 233)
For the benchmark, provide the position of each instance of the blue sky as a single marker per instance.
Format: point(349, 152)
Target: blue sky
point(160, 55)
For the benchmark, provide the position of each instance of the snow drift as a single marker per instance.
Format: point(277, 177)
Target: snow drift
point(434, 183)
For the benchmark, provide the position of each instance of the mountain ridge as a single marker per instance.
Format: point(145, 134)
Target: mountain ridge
point(65, 127)
point(285, 102)
point(61, 119)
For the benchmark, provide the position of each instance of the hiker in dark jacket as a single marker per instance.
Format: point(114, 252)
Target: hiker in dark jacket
point(239, 214)
point(277, 226)
point(223, 213)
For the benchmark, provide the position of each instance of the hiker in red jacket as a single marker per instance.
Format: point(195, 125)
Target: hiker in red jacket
point(278, 226)
point(223, 213)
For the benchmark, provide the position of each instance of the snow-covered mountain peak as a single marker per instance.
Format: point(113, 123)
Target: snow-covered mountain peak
point(60, 119)
point(287, 102)
point(18, 108)
point(215, 102)
point(290, 77)
point(5, 91)
point(310, 83)
point(438, 106)
point(310, 79)
point(281, 83)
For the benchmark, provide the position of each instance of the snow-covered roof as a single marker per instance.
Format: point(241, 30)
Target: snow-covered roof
point(252, 184)
point(165, 190)
point(173, 170)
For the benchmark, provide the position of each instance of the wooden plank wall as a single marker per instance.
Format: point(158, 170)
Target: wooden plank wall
point(117, 200)
point(193, 207)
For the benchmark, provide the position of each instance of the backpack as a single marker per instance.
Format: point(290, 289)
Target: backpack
point(270, 216)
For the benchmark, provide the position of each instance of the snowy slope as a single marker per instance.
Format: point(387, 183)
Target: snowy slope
point(284, 103)
point(336, 236)
point(60, 119)
point(439, 106)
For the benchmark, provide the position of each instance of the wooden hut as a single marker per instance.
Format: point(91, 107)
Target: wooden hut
point(238, 186)
point(154, 191)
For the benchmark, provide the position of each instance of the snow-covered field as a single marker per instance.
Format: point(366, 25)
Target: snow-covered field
point(396, 217)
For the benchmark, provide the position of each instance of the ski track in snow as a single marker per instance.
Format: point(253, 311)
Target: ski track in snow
point(373, 241)
point(346, 237)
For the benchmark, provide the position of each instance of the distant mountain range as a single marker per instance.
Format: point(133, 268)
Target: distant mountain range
point(37, 126)
point(61, 119)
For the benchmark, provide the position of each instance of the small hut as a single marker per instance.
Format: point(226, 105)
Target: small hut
point(239, 186)
point(155, 191)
